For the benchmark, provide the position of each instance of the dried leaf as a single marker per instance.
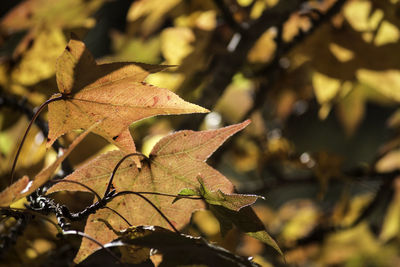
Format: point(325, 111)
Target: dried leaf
point(113, 93)
point(174, 164)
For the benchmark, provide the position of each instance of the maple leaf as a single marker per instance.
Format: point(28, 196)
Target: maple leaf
point(113, 93)
point(174, 163)
point(23, 187)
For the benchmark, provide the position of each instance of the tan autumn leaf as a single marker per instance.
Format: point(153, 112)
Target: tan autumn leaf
point(174, 163)
point(38, 53)
point(114, 93)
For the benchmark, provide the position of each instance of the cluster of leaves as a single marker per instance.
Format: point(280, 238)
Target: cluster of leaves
point(319, 80)
point(105, 99)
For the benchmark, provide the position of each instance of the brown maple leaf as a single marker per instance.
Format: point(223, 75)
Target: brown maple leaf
point(175, 163)
point(113, 93)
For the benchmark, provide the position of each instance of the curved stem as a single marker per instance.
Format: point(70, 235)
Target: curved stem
point(116, 168)
point(41, 107)
point(119, 214)
point(151, 203)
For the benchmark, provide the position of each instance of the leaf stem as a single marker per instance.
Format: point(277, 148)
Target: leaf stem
point(41, 107)
point(119, 214)
point(116, 168)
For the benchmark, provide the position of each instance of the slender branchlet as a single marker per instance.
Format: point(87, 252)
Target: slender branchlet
point(40, 108)
point(116, 169)
point(119, 214)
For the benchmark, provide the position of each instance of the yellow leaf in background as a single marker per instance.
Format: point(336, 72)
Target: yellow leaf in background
point(394, 120)
point(325, 88)
point(390, 162)
point(128, 48)
point(32, 152)
point(387, 83)
point(348, 209)
point(205, 21)
point(341, 53)
point(206, 221)
point(39, 57)
point(237, 99)
point(170, 80)
point(150, 142)
point(358, 14)
point(301, 224)
point(347, 244)
point(258, 8)
point(247, 155)
point(176, 44)
point(245, 2)
point(391, 224)
point(60, 13)
point(150, 13)
point(388, 33)
point(264, 48)
point(351, 110)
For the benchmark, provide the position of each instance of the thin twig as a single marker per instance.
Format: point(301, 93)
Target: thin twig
point(116, 168)
point(41, 107)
